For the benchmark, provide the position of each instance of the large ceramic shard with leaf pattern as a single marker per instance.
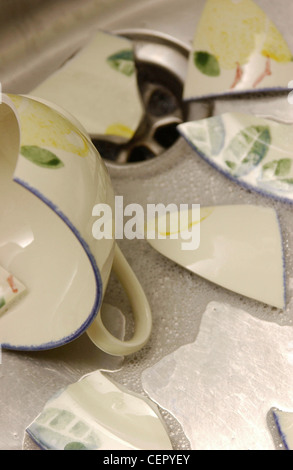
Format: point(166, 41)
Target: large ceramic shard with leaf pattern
point(98, 86)
point(254, 152)
point(236, 48)
point(240, 249)
point(97, 413)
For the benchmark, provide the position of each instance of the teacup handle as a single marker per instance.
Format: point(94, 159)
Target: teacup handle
point(99, 334)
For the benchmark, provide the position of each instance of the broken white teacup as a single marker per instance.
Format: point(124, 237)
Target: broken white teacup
point(51, 178)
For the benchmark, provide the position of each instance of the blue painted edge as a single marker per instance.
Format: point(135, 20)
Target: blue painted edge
point(283, 259)
point(36, 440)
point(283, 436)
point(99, 284)
point(248, 188)
point(237, 93)
point(228, 175)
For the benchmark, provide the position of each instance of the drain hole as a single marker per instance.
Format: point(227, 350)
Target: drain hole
point(166, 136)
point(107, 150)
point(140, 153)
point(161, 103)
point(158, 62)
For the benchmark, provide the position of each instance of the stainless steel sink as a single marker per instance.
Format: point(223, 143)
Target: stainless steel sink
point(36, 37)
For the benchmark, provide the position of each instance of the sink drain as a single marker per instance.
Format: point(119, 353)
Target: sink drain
point(161, 65)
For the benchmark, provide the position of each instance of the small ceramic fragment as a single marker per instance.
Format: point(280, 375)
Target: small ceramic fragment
point(98, 86)
point(10, 289)
point(221, 386)
point(254, 152)
point(240, 249)
point(96, 413)
point(284, 422)
point(236, 48)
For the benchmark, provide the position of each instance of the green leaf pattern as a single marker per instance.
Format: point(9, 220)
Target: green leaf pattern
point(122, 61)
point(277, 174)
point(253, 151)
point(207, 136)
point(207, 63)
point(41, 157)
point(65, 430)
point(247, 149)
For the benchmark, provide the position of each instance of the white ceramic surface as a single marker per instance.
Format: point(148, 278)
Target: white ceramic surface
point(240, 249)
point(96, 413)
point(51, 178)
point(284, 422)
point(222, 386)
point(236, 49)
point(10, 289)
point(253, 151)
point(99, 87)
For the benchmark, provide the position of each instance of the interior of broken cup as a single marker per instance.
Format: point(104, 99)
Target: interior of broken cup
point(42, 250)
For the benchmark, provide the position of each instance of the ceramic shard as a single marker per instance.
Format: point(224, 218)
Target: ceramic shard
point(221, 387)
point(96, 413)
point(240, 249)
point(236, 49)
point(252, 151)
point(284, 422)
point(98, 86)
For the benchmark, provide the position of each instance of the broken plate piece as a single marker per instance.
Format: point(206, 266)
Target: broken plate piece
point(254, 152)
point(236, 49)
point(98, 86)
point(221, 386)
point(240, 249)
point(10, 289)
point(96, 413)
point(284, 422)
